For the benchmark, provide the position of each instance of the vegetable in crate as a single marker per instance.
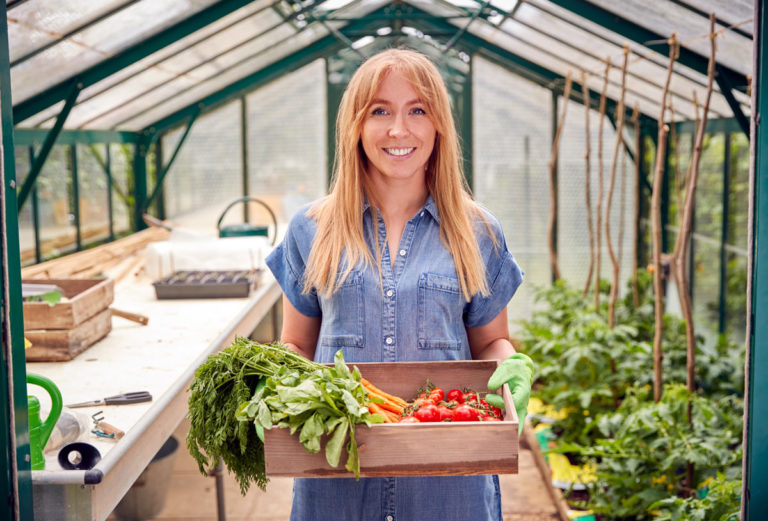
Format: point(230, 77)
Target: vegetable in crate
point(229, 379)
point(325, 401)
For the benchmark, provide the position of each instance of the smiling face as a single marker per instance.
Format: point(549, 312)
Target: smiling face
point(398, 135)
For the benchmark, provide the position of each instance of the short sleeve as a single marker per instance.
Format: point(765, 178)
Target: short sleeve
point(287, 262)
point(504, 275)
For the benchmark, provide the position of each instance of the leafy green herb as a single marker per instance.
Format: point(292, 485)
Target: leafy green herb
point(223, 409)
point(326, 401)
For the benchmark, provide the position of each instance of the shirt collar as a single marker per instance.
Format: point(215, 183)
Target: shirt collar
point(429, 206)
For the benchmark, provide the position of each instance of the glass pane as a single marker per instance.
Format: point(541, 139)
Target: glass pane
point(106, 38)
point(34, 24)
point(284, 117)
point(93, 192)
point(573, 232)
point(738, 13)
point(707, 233)
point(207, 173)
point(121, 167)
point(57, 231)
point(510, 173)
point(223, 78)
point(26, 223)
point(665, 18)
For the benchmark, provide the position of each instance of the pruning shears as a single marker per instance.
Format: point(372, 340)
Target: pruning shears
point(118, 399)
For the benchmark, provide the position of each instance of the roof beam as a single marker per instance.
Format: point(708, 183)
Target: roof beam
point(101, 70)
point(632, 31)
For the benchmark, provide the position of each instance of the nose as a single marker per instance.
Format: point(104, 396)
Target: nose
point(398, 128)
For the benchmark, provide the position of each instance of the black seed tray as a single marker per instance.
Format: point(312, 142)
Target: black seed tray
point(207, 284)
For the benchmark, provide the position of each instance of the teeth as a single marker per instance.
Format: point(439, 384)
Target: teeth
point(399, 151)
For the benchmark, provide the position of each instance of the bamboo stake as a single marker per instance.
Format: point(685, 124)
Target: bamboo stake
point(587, 185)
point(609, 195)
point(598, 204)
point(552, 187)
point(684, 237)
point(656, 226)
point(638, 138)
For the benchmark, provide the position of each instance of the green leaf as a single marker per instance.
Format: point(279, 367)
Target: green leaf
point(336, 442)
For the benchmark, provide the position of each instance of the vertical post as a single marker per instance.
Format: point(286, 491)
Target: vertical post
point(140, 181)
point(665, 200)
point(76, 196)
point(160, 198)
point(755, 471)
point(35, 212)
point(467, 129)
point(642, 202)
point(721, 315)
point(554, 175)
point(244, 153)
point(110, 202)
point(15, 478)
point(692, 250)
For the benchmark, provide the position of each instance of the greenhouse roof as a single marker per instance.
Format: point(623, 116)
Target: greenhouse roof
point(150, 65)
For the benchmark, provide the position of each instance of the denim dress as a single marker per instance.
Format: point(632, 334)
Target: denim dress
point(415, 311)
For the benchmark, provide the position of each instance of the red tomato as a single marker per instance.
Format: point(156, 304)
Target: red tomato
point(497, 412)
point(465, 413)
point(454, 395)
point(427, 413)
point(437, 394)
point(421, 401)
point(489, 419)
point(444, 413)
point(408, 419)
point(470, 397)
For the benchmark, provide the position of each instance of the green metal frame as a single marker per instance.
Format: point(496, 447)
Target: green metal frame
point(15, 479)
point(36, 136)
point(755, 492)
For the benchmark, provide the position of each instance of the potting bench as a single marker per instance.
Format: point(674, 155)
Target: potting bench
point(161, 358)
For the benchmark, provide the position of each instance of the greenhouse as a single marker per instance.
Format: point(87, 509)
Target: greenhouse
point(158, 158)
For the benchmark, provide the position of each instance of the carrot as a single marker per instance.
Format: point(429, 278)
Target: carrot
point(387, 403)
point(396, 399)
point(375, 408)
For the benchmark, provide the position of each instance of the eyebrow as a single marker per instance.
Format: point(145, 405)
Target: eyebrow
point(414, 101)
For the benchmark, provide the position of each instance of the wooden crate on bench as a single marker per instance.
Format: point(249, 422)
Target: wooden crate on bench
point(61, 331)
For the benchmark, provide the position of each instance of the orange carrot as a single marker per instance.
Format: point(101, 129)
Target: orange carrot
point(396, 399)
point(374, 407)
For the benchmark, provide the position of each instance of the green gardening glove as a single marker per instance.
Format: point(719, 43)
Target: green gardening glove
point(517, 371)
point(259, 428)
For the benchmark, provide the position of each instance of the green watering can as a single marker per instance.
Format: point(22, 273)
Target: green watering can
point(247, 229)
point(39, 430)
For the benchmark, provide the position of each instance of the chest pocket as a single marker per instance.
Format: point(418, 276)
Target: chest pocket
point(343, 314)
point(440, 312)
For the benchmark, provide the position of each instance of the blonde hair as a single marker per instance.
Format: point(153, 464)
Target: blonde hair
point(339, 215)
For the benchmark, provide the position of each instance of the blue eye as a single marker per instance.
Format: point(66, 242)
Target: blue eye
point(420, 111)
point(378, 112)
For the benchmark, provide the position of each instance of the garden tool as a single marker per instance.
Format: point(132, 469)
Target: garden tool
point(247, 229)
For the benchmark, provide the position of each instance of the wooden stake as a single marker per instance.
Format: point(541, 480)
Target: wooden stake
point(656, 227)
point(638, 138)
point(552, 187)
point(609, 196)
point(587, 184)
point(599, 203)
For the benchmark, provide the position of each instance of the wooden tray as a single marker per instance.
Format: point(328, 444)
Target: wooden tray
point(57, 345)
point(86, 298)
point(412, 449)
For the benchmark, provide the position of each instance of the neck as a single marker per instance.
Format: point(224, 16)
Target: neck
point(399, 200)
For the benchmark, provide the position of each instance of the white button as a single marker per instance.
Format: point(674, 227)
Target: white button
point(390, 292)
point(390, 518)
point(421, 214)
point(402, 253)
point(389, 340)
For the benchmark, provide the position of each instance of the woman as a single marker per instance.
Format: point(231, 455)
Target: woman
point(398, 263)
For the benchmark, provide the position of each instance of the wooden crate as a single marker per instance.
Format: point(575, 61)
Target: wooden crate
point(85, 299)
point(57, 345)
point(412, 449)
